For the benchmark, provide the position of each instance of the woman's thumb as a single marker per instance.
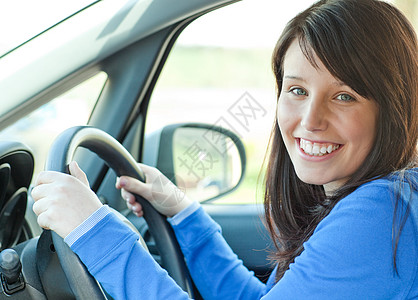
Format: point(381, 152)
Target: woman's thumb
point(78, 173)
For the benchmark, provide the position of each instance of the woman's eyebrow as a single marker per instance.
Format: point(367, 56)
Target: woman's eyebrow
point(337, 83)
point(294, 77)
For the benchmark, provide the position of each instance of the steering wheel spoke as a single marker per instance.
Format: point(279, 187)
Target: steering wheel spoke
point(4, 182)
point(16, 169)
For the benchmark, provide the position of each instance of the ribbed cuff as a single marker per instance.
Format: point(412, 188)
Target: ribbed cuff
point(179, 217)
point(87, 224)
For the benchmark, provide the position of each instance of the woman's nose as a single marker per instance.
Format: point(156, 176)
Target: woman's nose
point(314, 115)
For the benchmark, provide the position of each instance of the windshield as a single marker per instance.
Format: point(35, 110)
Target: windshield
point(21, 20)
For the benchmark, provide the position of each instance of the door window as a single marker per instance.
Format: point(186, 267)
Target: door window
point(39, 128)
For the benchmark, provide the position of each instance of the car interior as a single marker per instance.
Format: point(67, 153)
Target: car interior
point(81, 90)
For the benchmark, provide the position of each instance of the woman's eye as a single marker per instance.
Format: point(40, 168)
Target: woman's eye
point(345, 98)
point(298, 92)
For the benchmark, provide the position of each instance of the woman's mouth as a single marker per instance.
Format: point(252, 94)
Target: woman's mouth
point(317, 149)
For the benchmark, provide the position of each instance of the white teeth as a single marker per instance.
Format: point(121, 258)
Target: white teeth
point(330, 148)
point(316, 149)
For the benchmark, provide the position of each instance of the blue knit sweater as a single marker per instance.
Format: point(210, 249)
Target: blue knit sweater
point(349, 256)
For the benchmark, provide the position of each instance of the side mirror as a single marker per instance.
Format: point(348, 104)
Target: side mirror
point(203, 160)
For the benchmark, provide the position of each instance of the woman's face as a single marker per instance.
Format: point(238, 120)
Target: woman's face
point(328, 129)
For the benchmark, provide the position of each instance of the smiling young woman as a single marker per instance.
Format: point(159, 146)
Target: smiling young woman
point(346, 75)
point(341, 185)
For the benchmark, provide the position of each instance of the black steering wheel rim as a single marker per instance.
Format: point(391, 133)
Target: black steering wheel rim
point(119, 159)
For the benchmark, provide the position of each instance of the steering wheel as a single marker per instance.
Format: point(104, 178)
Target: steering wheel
point(83, 285)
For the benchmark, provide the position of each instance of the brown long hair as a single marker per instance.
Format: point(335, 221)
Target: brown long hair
point(370, 46)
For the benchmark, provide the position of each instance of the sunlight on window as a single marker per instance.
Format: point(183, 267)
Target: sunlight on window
point(69, 109)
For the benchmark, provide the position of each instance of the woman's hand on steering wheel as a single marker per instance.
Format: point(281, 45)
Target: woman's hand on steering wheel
point(62, 202)
point(164, 196)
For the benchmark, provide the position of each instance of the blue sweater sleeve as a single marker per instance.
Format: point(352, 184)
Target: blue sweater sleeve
point(113, 255)
point(215, 269)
